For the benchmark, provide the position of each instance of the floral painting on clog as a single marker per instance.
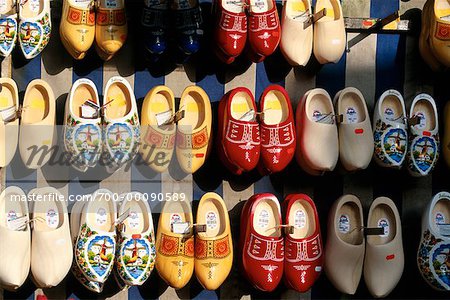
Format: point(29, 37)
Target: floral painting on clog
point(424, 154)
point(30, 35)
point(137, 259)
point(434, 261)
point(8, 33)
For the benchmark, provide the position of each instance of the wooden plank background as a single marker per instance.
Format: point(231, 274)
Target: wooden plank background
point(373, 65)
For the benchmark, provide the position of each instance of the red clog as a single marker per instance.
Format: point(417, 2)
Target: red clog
point(303, 258)
point(264, 29)
point(238, 140)
point(277, 129)
point(230, 33)
point(261, 242)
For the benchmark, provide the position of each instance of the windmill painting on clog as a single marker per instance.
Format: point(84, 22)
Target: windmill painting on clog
point(424, 136)
point(390, 135)
point(8, 33)
point(433, 255)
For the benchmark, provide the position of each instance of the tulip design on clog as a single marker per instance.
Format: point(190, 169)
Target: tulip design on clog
point(136, 249)
point(34, 26)
point(423, 149)
point(433, 255)
point(8, 27)
point(121, 127)
point(390, 135)
point(82, 133)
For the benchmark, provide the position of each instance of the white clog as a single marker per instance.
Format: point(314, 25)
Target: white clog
point(423, 148)
point(384, 260)
point(296, 40)
point(434, 248)
point(82, 126)
point(389, 130)
point(136, 254)
point(329, 32)
point(9, 121)
point(345, 247)
point(15, 245)
point(51, 247)
point(355, 130)
point(317, 136)
point(35, 26)
point(37, 128)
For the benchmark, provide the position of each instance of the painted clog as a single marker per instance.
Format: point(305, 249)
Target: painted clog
point(82, 128)
point(434, 247)
point(345, 247)
point(355, 130)
point(75, 219)
point(154, 26)
point(277, 129)
point(425, 37)
point(121, 127)
point(296, 40)
point(37, 129)
point(95, 245)
point(194, 130)
point(214, 247)
point(303, 245)
point(264, 29)
point(261, 242)
point(8, 27)
point(175, 243)
point(384, 259)
point(51, 250)
point(329, 32)
point(188, 25)
point(423, 148)
point(238, 140)
point(230, 31)
point(440, 30)
point(77, 27)
point(35, 26)
point(136, 251)
point(15, 248)
point(389, 130)
point(9, 124)
point(110, 27)
point(158, 138)
point(317, 136)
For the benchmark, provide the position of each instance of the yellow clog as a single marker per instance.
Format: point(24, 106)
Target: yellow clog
point(213, 248)
point(9, 123)
point(194, 130)
point(440, 31)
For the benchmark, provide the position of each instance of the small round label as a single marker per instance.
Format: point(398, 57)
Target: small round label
point(134, 220)
point(211, 220)
point(300, 219)
point(263, 219)
point(422, 120)
point(52, 218)
point(352, 115)
point(317, 116)
point(389, 113)
point(101, 216)
point(440, 218)
point(175, 218)
point(344, 224)
point(10, 216)
point(385, 224)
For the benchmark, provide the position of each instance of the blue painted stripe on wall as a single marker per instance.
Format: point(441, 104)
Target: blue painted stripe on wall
point(332, 76)
point(212, 87)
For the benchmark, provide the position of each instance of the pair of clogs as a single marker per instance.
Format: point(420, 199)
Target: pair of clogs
point(269, 252)
point(394, 144)
point(326, 132)
point(189, 130)
point(86, 20)
point(375, 247)
point(92, 130)
point(208, 251)
point(47, 248)
point(105, 236)
point(326, 37)
point(243, 143)
point(37, 134)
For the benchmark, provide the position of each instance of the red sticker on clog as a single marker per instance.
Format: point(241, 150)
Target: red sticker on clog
point(199, 155)
point(390, 257)
point(359, 131)
point(427, 133)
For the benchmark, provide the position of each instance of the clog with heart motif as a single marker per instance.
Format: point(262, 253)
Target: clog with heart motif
point(423, 148)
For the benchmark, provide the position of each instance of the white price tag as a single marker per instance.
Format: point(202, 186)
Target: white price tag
point(444, 229)
point(248, 116)
point(90, 110)
point(8, 114)
point(163, 118)
point(180, 228)
point(18, 224)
